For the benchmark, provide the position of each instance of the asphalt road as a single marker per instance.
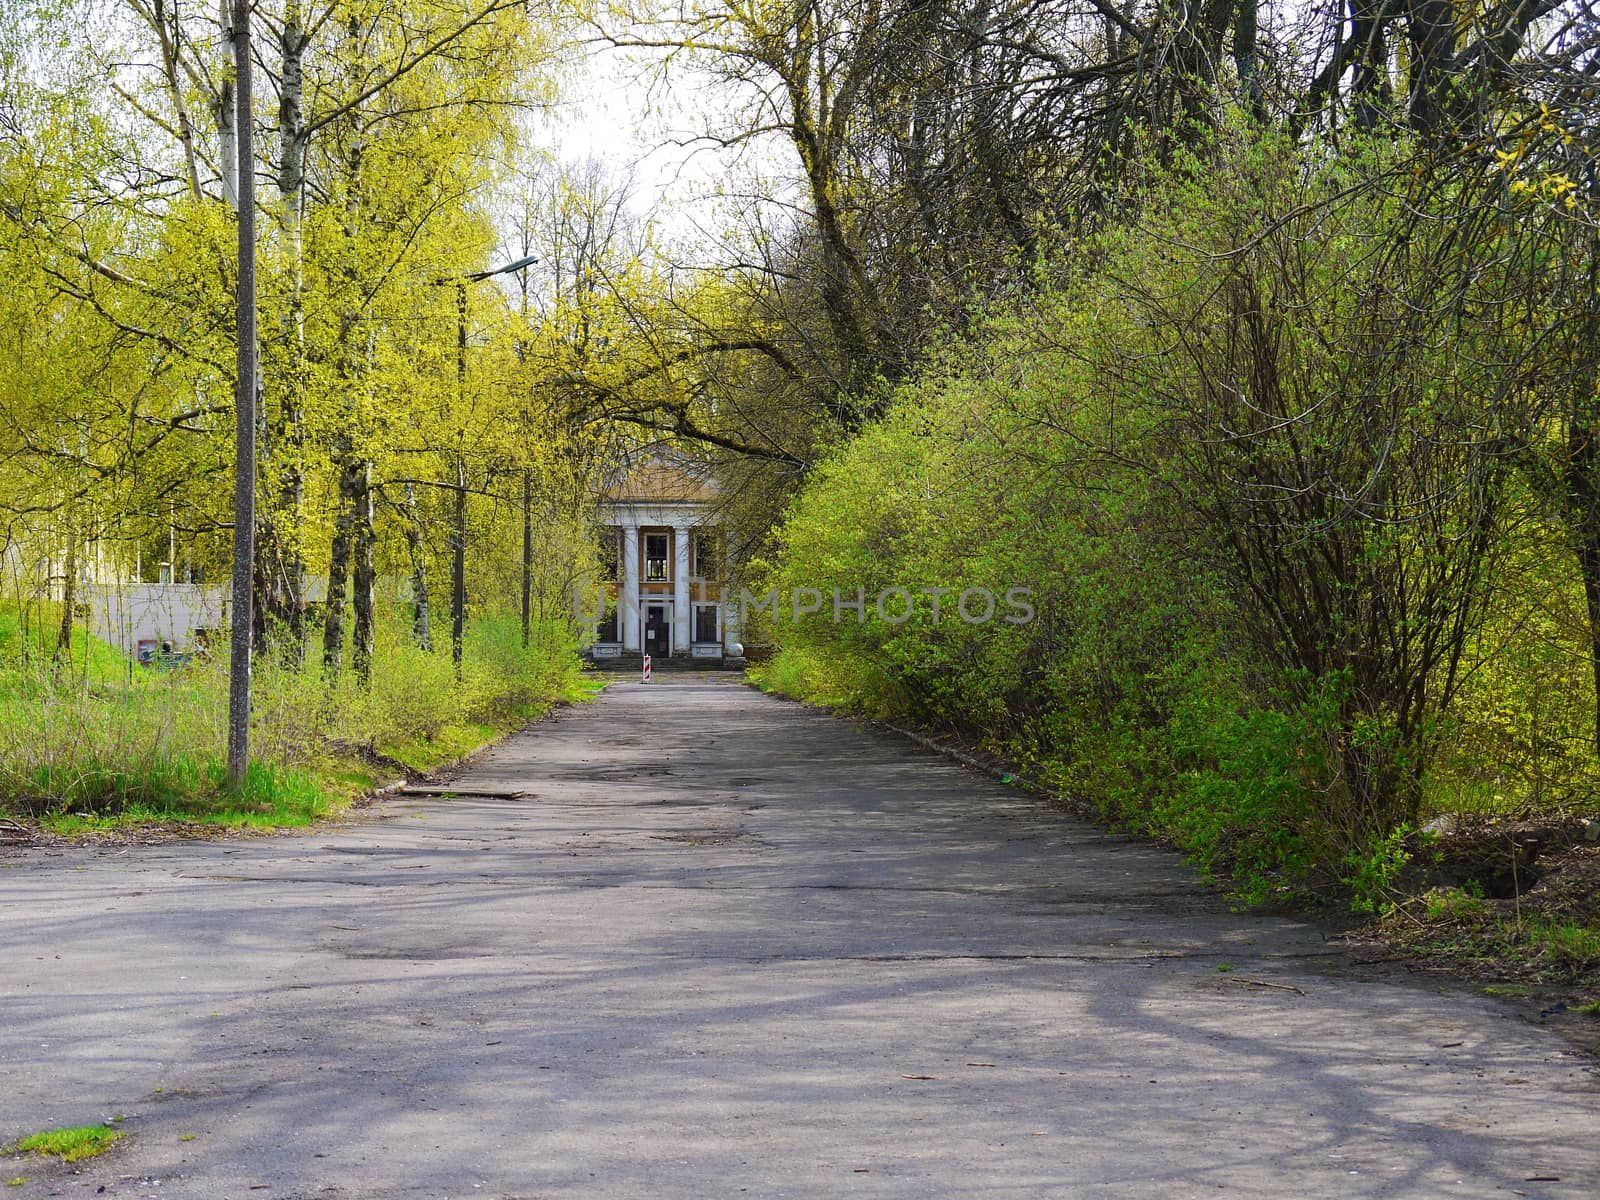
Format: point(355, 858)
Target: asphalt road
point(691, 941)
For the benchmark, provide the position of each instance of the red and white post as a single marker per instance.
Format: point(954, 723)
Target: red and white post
point(646, 668)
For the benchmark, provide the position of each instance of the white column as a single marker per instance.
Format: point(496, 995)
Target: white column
point(680, 590)
point(628, 596)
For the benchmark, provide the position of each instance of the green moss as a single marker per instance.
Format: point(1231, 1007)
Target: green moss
point(69, 1145)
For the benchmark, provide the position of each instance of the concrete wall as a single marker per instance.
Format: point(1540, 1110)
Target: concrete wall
point(125, 614)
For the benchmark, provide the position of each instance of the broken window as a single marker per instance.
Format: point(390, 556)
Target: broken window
point(607, 630)
point(705, 622)
point(706, 559)
point(655, 557)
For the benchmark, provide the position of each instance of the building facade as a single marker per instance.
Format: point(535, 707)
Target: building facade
point(661, 552)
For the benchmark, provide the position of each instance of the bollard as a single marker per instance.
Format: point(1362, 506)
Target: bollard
point(646, 668)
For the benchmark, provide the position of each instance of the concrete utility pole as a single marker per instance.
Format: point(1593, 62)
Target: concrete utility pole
point(244, 468)
point(458, 533)
point(527, 553)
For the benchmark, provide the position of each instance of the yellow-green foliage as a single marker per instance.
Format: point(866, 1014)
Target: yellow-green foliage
point(1523, 732)
point(116, 387)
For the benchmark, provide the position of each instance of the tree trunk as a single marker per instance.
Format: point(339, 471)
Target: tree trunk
point(1589, 564)
point(365, 575)
point(352, 469)
point(339, 562)
point(69, 601)
point(1580, 468)
point(289, 435)
point(527, 554)
point(1245, 60)
point(1369, 84)
point(458, 569)
point(420, 615)
point(1583, 517)
point(168, 36)
point(223, 113)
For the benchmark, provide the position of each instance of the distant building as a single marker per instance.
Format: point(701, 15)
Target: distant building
point(662, 558)
point(142, 618)
point(146, 620)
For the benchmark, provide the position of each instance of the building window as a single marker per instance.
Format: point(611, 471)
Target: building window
point(655, 558)
point(707, 560)
point(606, 542)
point(606, 631)
point(705, 622)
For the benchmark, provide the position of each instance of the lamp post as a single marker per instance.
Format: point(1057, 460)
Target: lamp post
point(458, 534)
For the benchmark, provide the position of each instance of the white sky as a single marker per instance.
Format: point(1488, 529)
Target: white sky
point(645, 129)
point(608, 114)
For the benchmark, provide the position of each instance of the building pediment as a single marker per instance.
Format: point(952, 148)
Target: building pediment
point(660, 477)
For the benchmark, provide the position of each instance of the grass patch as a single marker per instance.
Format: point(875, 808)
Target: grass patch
point(448, 744)
point(183, 789)
point(271, 798)
point(85, 757)
point(68, 1145)
point(1482, 937)
point(1564, 941)
point(454, 741)
point(28, 647)
point(584, 688)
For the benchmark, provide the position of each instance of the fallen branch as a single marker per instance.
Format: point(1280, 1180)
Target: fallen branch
point(1262, 983)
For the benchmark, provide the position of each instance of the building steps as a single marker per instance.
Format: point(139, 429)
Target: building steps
point(633, 662)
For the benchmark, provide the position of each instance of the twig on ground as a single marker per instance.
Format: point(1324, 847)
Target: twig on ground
point(1262, 983)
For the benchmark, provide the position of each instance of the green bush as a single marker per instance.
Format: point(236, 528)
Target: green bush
point(1238, 454)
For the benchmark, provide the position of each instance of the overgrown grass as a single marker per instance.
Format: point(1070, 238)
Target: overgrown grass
point(28, 649)
point(1463, 928)
point(69, 1145)
point(272, 798)
point(82, 758)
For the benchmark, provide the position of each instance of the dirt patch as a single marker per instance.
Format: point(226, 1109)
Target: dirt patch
point(1569, 887)
point(1513, 908)
point(1502, 859)
point(148, 833)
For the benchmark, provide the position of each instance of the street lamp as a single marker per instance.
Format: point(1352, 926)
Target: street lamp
point(458, 535)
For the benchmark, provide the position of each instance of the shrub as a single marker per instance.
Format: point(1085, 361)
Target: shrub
point(1244, 454)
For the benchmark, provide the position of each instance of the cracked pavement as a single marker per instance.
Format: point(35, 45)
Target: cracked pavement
point(694, 941)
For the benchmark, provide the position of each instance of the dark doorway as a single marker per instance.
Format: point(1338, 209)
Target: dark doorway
point(657, 632)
